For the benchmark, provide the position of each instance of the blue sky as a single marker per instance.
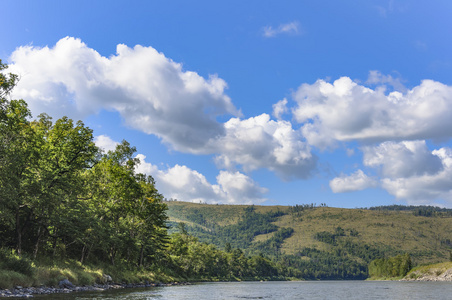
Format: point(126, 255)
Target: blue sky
point(347, 103)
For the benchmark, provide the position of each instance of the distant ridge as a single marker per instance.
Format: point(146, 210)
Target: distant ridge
point(325, 235)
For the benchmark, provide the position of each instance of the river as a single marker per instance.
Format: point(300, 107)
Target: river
point(276, 290)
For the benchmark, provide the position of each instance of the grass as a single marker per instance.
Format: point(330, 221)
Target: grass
point(429, 270)
point(50, 273)
point(9, 279)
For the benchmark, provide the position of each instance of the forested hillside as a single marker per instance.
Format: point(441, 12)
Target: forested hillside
point(321, 242)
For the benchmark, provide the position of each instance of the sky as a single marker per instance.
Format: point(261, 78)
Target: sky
point(344, 103)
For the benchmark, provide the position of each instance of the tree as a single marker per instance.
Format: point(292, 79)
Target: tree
point(7, 82)
point(18, 151)
point(128, 204)
point(66, 150)
point(41, 165)
point(57, 188)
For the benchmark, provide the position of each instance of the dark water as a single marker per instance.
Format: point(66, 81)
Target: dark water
point(278, 290)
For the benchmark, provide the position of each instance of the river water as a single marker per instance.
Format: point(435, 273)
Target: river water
point(277, 290)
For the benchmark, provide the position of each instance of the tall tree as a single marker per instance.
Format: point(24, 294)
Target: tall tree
point(128, 204)
point(66, 151)
point(40, 164)
point(18, 150)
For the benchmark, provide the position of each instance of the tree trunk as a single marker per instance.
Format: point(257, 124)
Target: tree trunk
point(112, 255)
point(18, 233)
point(82, 258)
point(55, 241)
point(141, 256)
point(35, 251)
point(88, 251)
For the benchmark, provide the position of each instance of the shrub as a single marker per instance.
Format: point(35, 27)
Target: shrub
point(12, 262)
point(10, 279)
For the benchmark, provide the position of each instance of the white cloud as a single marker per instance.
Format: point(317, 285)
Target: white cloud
point(288, 28)
point(150, 91)
point(185, 184)
point(263, 143)
point(404, 159)
point(410, 171)
point(355, 182)
point(347, 111)
point(280, 108)
point(240, 188)
point(105, 142)
point(155, 95)
point(377, 78)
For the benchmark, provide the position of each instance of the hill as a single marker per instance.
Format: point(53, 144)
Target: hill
point(341, 242)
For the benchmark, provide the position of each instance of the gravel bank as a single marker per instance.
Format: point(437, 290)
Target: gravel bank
point(28, 292)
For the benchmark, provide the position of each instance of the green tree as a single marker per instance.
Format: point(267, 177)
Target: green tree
point(18, 152)
point(129, 206)
point(66, 151)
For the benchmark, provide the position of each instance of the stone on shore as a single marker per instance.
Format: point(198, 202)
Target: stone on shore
point(65, 284)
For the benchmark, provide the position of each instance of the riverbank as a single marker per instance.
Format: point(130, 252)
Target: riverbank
point(29, 292)
point(435, 272)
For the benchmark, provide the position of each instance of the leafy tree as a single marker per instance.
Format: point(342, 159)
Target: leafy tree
point(128, 204)
point(18, 150)
point(59, 194)
point(66, 151)
point(396, 266)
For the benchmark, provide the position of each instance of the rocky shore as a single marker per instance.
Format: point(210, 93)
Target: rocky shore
point(66, 286)
point(433, 272)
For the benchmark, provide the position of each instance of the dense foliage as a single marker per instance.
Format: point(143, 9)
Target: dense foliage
point(192, 259)
point(423, 211)
point(61, 196)
point(397, 266)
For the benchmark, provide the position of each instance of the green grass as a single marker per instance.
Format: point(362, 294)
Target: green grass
point(9, 279)
point(429, 270)
point(50, 273)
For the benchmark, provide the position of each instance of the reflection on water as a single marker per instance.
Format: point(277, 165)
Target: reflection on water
point(277, 290)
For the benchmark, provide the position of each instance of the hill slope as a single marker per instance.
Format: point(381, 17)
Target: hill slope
point(315, 233)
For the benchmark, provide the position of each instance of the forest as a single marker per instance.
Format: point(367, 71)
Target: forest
point(316, 242)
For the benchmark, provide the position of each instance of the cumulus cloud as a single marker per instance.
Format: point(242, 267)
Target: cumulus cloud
point(288, 28)
point(155, 95)
point(404, 159)
point(377, 78)
point(347, 111)
point(425, 188)
point(150, 91)
point(355, 182)
point(260, 142)
point(410, 171)
point(105, 143)
point(240, 188)
point(280, 108)
point(185, 184)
